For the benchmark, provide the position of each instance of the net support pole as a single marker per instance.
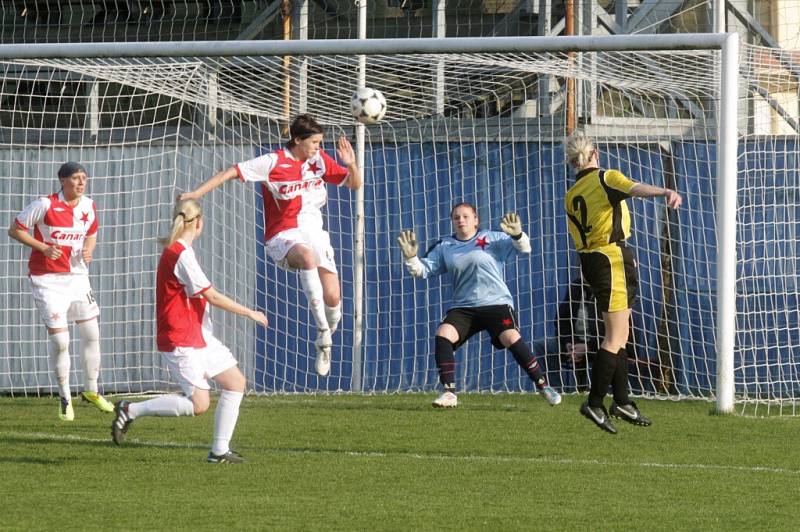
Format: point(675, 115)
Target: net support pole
point(358, 230)
point(726, 223)
point(440, 29)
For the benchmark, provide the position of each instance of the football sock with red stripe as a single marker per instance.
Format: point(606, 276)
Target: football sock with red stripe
point(524, 357)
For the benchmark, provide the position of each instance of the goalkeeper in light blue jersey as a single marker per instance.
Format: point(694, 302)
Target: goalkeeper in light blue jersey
point(475, 260)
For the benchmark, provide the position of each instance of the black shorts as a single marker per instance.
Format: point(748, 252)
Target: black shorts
point(493, 318)
point(611, 273)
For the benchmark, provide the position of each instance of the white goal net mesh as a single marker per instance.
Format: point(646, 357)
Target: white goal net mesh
point(481, 128)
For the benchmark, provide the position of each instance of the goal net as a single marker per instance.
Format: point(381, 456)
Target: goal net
point(485, 128)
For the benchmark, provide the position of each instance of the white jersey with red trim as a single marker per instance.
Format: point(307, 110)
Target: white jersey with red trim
point(56, 222)
point(182, 315)
point(293, 191)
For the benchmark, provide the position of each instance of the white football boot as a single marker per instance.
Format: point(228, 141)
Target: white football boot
point(446, 400)
point(323, 345)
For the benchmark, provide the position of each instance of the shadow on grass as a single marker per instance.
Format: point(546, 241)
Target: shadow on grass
point(29, 460)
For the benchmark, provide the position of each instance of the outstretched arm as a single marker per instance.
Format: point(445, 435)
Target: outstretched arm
point(643, 190)
point(222, 301)
point(218, 179)
point(348, 158)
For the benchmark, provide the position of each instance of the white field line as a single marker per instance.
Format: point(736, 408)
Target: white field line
point(36, 436)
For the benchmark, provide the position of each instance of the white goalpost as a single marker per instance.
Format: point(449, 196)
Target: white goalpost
point(476, 120)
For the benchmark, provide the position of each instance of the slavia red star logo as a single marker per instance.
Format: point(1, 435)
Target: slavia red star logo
point(313, 168)
point(85, 218)
point(507, 322)
point(54, 316)
point(481, 242)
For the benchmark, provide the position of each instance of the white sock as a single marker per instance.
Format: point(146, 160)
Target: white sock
point(225, 420)
point(90, 345)
point(163, 406)
point(59, 359)
point(333, 315)
point(312, 287)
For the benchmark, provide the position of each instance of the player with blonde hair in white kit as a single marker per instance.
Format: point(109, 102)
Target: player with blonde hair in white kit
point(64, 236)
point(293, 183)
point(185, 338)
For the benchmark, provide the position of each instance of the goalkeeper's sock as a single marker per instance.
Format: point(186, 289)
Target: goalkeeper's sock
point(225, 417)
point(524, 357)
point(446, 363)
point(605, 364)
point(59, 360)
point(90, 345)
point(164, 406)
point(619, 383)
point(312, 287)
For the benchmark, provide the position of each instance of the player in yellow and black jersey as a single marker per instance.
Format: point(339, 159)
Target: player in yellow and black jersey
point(599, 223)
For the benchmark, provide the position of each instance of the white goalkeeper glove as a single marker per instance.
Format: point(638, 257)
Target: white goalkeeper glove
point(408, 245)
point(511, 225)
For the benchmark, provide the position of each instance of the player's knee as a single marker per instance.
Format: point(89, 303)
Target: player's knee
point(60, 342)
point(201, 403)
point(236, 383)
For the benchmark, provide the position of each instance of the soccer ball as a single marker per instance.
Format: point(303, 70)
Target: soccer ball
point(368, 105)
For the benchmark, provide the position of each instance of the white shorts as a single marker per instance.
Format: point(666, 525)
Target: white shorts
point(63, 297)
point(319, 241)
point(193, 366)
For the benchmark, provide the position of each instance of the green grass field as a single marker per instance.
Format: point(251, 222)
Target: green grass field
point(498, 462)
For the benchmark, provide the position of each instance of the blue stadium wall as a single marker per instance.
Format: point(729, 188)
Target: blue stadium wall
point(404, 323)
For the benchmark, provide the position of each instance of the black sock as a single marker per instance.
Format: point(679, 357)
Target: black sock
point(524, 357)
point(605, 364)
point(620, 381)
point(446, 363)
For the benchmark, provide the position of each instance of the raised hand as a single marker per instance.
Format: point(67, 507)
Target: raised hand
point(345, 151)
point(511, 225)
point(408, 243)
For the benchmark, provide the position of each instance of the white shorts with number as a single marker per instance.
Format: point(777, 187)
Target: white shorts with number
point(193, 366)
point(61, 298)
point(319, 241)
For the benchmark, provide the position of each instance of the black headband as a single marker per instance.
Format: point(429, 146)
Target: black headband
point(67, 169)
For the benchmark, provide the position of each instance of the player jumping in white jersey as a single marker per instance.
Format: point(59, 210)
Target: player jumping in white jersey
point(293, 188)
point(64, 236)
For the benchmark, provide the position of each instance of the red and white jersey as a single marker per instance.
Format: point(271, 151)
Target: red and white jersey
point(182, 316)
point(55, 222)
point(293, 191)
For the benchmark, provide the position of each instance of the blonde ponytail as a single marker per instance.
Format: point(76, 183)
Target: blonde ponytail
point(578, 149)
point(184, 213)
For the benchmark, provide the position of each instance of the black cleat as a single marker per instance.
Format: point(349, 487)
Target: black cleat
point(231, 457)
point(630, 413)
point(599, 416)
point(119, 427)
